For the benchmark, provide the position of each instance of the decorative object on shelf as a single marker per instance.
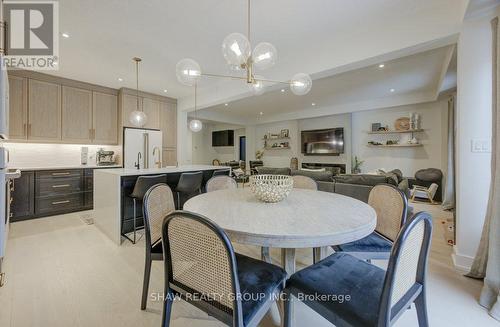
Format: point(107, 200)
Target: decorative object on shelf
point(376, 127)
point(271, 188)
point(356, 168)
point(195, 125)
point(259, 154)
point(294, 163)
point(402, 124)
point(414, 121)
point(138, 117)
point(414, 140)
point(374, 143)
point(284, 133)
point(392, 142)
point(237, 50)
point(383, 129)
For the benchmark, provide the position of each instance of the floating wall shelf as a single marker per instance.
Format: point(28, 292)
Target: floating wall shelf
point(394, 145)
point(396, 132)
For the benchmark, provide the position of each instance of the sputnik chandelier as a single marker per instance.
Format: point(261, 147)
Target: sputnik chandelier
point(237, 51)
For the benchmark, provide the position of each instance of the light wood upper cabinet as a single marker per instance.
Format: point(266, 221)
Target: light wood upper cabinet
point(105, 118)
point(18, 107)
point(169, 157)
point(129, 104)
point(44, 111)
point(76, 115)
point(152, 111)
point(168, 124)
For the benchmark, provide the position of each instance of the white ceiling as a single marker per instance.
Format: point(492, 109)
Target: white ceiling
point(314, 36)
point(415, 78)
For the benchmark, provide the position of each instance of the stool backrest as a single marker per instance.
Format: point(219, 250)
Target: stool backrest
point(391, 207)
point(158, 203)
point(199, 259)
point(222, 172)
point(304, 182)
point(407, 267)
point(144, 183)
point(221, 183)
point(190, 182)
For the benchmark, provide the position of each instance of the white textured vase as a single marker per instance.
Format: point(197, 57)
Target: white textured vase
point(271, 188)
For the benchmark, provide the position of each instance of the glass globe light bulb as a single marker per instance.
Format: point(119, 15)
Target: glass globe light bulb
point(195, 125)
point(236, 49)
point(188, 71)
point(264, 55)
point(138, 118)
point(257, 86)
point(301, 84)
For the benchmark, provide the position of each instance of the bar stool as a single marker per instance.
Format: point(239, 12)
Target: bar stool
point(222, 172)
point(189, 184)
point(142, 185)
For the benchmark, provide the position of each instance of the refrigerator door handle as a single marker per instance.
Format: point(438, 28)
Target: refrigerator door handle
point(146, 150)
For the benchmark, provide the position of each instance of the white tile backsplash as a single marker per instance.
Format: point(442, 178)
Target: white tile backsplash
point(53, 155)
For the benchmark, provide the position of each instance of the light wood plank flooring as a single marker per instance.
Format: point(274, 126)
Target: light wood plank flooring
point(62, 272)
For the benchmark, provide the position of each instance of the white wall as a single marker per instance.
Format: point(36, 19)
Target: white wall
point(474, 121)
point(26, 155)
point(202, 150)
point(408, 160)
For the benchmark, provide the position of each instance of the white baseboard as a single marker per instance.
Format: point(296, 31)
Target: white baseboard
point(462, 263)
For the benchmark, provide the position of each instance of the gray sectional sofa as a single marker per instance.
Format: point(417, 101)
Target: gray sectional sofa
point(357, 186)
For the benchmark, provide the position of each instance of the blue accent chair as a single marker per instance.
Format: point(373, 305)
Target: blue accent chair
point(376, 298)
point(391, 206)
point(202, 268)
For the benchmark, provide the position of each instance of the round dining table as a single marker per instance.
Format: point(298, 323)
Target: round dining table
point(304, 219)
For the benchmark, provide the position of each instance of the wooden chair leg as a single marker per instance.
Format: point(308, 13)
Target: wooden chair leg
point(420, 305)
point(287, 312)
point(145, 284)
point(265, 254)
point(167, 307)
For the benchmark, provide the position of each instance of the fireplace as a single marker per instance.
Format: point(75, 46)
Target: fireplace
point(336, 169)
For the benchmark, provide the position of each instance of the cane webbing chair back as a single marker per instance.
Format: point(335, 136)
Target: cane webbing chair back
point(221, 183)
point(304, 182)
point(200, 260)
point(158, 203)
point(391, 205)
point(407, 266)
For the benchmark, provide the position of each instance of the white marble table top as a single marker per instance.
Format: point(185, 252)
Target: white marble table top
point(306, 218)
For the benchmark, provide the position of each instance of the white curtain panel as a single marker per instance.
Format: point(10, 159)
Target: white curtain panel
point(487, 262)
point(449, 187)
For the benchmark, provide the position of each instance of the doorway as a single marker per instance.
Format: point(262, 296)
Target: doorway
point(243, 148)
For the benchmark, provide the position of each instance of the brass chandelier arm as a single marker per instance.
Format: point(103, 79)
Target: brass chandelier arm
point(273, 81)
point(244, 78)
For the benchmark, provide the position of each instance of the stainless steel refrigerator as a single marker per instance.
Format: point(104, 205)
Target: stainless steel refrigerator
point(142, 148)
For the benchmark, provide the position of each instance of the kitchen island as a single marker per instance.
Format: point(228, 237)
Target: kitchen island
point(113, 208)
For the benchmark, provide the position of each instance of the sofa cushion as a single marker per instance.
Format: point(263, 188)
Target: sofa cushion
point(273, 171)
point(318, 176)
point(398, 173)
point(357, 191)
point(363, 179)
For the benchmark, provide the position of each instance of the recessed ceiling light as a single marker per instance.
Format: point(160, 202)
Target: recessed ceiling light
point(282, 90)
point(65, 35)
point(313, 104)
point(261, 113)
point(165, 91)
point(392, 90)
point(226, 104)
point(381, 66)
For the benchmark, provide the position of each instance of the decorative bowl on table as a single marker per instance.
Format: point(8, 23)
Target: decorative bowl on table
point(271, 188)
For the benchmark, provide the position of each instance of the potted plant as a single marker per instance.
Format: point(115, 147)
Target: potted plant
point(356, 166)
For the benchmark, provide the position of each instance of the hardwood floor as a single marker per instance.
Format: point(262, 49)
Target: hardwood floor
point(62, 272)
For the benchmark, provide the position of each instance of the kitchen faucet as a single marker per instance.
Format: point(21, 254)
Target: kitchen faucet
point(138, 163)
point(158, 162)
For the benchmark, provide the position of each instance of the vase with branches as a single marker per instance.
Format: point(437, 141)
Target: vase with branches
point(356, 166)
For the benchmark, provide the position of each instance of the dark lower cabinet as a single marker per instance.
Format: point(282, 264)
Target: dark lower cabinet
point(52, 192)
point(23, 197)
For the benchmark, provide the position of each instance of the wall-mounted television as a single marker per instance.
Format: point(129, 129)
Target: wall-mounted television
point(223, 138)
point(323, 142)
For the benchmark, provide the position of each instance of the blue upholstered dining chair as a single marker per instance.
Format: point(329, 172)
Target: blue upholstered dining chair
point(202, 268)
point(391, 206)
point(377, 298)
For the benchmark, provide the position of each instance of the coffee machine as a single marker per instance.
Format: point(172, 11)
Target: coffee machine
point(105, 158)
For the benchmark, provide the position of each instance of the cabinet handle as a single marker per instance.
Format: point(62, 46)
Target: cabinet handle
point(63, 185)
point(60, 174)
point(25, 129)
point(61, 202)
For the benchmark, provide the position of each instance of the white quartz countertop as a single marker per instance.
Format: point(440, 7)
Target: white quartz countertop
point(27, 168)
point(165, 170)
